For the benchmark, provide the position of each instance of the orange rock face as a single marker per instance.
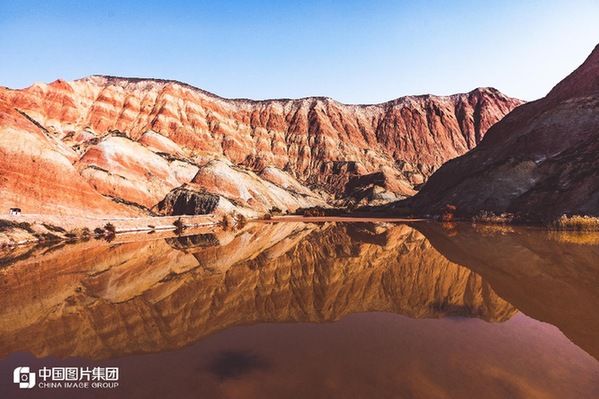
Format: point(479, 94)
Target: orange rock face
point(539, 162)
point(137, 139)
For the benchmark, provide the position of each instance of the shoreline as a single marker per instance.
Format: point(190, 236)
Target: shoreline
point(37, 229)
point(347, 219)
point(27, 229)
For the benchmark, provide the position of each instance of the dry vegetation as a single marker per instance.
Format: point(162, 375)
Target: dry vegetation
point(313, 212)
point(109, 227)
point(226, 222)
point(493, 229)
point(576, 222)
point(486, 217)
point(179, 226)
point(16, 233)
point(275, 211)
point(241, 220)
point(575, 237)
point(448, 214)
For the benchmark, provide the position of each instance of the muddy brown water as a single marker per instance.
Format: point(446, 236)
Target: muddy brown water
point(311, 310)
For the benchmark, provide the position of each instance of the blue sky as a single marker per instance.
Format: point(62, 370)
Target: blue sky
point(353, 51)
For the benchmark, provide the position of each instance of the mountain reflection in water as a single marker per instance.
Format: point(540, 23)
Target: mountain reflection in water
point(163, 294)
point(98, 300)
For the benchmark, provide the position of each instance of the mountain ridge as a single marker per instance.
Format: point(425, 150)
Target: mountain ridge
point(138, 139)
point(133, 79)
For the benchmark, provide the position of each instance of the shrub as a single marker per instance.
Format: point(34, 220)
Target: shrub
point(241, 220)
point(448, 213)
point(275, 210)
point(46, 237)
point(71, 234)
point(98, 231)
point(179, 226)
point(226, 221)
point(267, 216)
point(110, 229)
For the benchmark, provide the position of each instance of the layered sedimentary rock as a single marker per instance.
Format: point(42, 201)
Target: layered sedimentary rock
point(539, 162)
point(135, 140)
point(37, 173)
point(98, 301)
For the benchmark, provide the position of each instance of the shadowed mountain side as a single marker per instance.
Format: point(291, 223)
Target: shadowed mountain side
point(550, 276)
point(107, 301)
point(539, 162)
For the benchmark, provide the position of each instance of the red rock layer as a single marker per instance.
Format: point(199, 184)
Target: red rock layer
point(317, 142)
point(37, 174)
point(539, 162)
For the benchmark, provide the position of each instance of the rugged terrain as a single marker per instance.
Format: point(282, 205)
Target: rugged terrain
point(106, 145)
point(539, 162)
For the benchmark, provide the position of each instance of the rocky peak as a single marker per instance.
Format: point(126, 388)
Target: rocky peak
point(583, 81)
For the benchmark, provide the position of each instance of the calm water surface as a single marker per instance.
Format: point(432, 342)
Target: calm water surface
point(296, 310)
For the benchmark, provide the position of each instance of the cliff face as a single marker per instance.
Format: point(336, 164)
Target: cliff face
point(101, 301)
point(539, 161)
point(136, 140)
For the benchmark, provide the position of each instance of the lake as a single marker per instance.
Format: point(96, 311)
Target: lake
point(308, 310)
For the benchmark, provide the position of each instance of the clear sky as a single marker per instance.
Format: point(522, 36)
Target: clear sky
point(353, 51)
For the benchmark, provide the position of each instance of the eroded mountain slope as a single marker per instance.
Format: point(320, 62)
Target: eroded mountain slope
point(136, 140)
